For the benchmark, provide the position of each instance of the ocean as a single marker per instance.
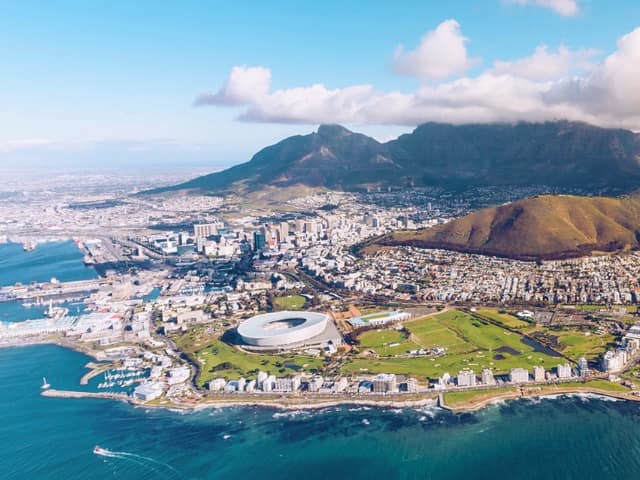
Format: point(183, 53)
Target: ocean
point(61, 260)
point(49, 438)
point(579, 437)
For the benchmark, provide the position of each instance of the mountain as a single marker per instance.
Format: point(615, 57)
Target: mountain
point(553, 153)
point(544, 227)
point(332, 157)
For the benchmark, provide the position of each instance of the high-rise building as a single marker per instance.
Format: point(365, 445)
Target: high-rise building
point(564, 370)
point(262, 376)
point(384, 383)
point(259, 241)
point(242, 382)
point(466, 378)
point(519, 375)
point(538, 374)
point(583, 367)
point(614, 360)
point(632, 345)
point(315, 383)
point(287, 384)
point(217, 384)
point(487, 377)
point(283, 231)
point(204, 230)
point(412, 385)
point(310, 227)
point(268, 383)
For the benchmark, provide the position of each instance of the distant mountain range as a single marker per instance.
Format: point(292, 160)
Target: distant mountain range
point(562, 154)
point(544, 227)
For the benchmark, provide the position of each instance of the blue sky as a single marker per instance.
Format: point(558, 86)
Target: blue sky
point(115, 81)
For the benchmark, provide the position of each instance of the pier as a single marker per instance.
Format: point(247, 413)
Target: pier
point(75, 394)
point(95, 370)
point(47, 290)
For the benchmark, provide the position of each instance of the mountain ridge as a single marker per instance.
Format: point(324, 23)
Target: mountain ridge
point(559, 153)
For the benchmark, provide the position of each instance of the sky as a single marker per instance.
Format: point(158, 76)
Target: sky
point(153, 83)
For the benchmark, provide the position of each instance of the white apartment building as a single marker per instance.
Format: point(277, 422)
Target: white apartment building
point(519, 375)
point(466, 378)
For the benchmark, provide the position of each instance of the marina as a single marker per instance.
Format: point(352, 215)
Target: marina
point(122, 378)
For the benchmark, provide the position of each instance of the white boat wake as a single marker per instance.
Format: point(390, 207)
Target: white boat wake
point(146, 462)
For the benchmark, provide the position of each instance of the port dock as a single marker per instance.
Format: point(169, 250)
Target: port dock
point(75, 394)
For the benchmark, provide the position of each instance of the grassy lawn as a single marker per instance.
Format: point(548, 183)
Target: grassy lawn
point(454, 399)
point(219, 359)
point(606, 385)
point(470, 343)
point(429, 333)
point(576, 344)
point(290, 302)
point(383, 342)
point(506, 319)
point(599, 384)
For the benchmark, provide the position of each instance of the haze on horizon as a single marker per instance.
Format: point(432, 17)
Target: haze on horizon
point(207, 84)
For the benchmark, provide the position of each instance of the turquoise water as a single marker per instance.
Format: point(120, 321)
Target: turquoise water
point(62, 260)
point(16, 312)
point(46, 438)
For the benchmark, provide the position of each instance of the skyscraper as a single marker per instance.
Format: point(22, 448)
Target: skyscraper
point(283, 231)
point(259, 241)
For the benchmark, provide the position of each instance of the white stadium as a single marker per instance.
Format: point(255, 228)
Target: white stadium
point(284, 329)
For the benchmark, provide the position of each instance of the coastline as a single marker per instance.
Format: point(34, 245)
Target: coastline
point(53, 340)
point(298, 403)
point(479, 404)
point(291, 403)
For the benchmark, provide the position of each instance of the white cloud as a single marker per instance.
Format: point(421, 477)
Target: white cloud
point(548, 85)
point(566, 8)
point(440, 54)
point(611, 89)
point(545, 64)
point(244, 84)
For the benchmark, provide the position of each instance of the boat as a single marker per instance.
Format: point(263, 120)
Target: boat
point(100, 451)
point(55, 312)
point(49, 312)
point(45, 385)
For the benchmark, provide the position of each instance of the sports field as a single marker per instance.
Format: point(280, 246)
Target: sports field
point(386, 342)
point(469, 341)
point(290, 302)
